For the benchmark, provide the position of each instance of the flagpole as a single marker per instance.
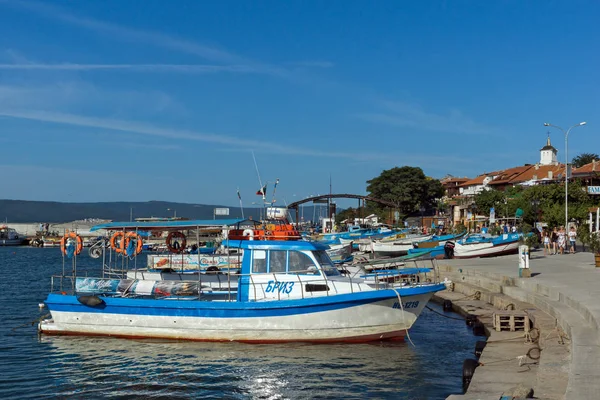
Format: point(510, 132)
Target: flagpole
point(241, 206)
point(274, 190)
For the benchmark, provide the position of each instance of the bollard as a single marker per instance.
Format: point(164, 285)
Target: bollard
point(524, 271)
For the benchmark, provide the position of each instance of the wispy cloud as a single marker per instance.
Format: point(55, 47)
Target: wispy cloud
point(81, 95)
point(212, 53)
point(182, 68)
point(232, 143)
point(122, 33)
point(151, 130)
point(413, 116)
point(315, 64)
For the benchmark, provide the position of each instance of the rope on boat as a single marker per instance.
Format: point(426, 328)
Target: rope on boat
point(445, 316)
point(403, 317)
point(32, 322)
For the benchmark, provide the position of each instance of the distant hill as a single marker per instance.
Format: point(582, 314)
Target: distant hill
point(56, 212)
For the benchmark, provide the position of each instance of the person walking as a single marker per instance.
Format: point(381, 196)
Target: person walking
point(554, 240)
point(562, 240)
point(572, 240)
point(546, 242)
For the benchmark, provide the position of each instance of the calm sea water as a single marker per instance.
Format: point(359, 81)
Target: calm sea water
point(33, 366)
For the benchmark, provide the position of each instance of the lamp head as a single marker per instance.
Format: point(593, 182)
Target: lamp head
point(546, 124)
point(582, 123)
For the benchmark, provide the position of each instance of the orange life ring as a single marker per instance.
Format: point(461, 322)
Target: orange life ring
point(70, 236)
point(180, 247)
point(116, 241)
point(130, 236)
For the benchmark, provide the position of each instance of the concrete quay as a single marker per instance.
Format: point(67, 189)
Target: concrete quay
point(567, 289)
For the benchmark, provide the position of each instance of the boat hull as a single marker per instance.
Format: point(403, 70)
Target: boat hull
point(375, 316)
point(480, 250)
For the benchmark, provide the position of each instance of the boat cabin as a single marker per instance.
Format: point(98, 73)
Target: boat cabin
point(285, 270)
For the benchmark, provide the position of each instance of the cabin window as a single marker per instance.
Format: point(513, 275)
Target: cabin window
point(327, 265)
point(301, 263)
point(277, 261)
point(259, 261)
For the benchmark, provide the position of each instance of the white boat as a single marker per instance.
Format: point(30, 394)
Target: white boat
point(487, 247)
point(340, 252)
point(10, 237)
point(286, 291)
point(398, 247)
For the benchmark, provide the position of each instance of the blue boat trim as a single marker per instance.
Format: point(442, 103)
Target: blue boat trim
point(199, 308)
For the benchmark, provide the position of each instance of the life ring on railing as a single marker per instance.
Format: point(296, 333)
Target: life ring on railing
point(249, 233)
point(71, 237)
point(173, 244)
point(116, 241)
point(139, 243)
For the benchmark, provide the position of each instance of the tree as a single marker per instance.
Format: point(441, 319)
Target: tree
point(487, 199)
point(407, 187)
point(584, 158)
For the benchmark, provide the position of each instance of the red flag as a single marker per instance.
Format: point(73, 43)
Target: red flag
point(262, 191)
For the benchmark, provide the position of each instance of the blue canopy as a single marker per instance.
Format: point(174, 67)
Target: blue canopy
point(167, 225)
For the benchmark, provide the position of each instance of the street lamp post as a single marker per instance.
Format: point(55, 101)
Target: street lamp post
point(422, 209)
point(535, 203)
point(566, 166)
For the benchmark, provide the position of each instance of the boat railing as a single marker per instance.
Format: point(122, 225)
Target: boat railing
point(204, 287)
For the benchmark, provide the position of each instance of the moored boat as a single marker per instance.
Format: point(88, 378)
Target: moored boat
point(285, 291)
point(472, 247)
point(10, 237)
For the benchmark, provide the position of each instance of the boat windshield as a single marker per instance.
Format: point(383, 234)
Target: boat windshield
point(327, 265)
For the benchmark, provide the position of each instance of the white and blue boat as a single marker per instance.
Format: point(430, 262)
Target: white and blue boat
point(286, 291)
point(487, 246)
point(472, 246)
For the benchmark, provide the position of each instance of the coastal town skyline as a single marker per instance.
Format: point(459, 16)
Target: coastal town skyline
point(109, 101)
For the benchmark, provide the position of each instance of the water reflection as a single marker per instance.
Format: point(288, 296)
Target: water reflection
point(165, 368)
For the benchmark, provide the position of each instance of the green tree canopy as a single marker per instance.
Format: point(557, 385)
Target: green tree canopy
point(407, 187)
point(584, 158)
point(487, 199)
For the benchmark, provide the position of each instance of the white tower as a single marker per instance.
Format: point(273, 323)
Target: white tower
point(548, 154)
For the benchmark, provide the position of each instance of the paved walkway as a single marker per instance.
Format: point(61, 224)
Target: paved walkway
point(566, 286)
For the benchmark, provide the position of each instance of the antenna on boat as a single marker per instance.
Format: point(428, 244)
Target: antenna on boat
point(240, 197)
point(274, 190)
point(258, 174)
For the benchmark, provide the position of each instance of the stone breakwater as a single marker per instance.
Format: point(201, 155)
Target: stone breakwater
point(562, 298)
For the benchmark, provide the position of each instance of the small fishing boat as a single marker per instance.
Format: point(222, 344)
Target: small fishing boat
point(10, 237)
point(484, 246)
point(340, 253)
point(398, 247)
point(286, 291)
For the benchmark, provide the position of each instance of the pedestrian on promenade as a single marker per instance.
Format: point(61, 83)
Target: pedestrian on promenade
point(554, 240)
point(572, 240)
point(546, 242)
point(562, 240)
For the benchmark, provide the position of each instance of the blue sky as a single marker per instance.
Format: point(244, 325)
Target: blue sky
point(156, 100)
